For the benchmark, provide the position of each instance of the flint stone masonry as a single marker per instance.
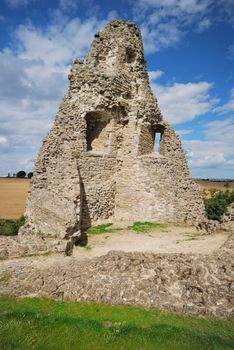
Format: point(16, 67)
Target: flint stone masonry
point(193, 284)
point(97, 164)
point(227, 220)
point(23, 245)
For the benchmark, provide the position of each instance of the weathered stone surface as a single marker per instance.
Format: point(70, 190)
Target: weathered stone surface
point(192, 284)
point(227, 220)
point(28, 245)
point(209, 226)
point(97, 164)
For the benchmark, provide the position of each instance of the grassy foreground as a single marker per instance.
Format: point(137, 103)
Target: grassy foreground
point(39, 323)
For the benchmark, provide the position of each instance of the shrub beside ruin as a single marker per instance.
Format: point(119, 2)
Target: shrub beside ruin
point(218, 203)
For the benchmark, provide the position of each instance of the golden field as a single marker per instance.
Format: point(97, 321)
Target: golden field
point(219, 185)
point(13, 194)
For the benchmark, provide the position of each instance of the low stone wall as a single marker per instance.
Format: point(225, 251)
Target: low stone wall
point(20, 246)
point(192, 284)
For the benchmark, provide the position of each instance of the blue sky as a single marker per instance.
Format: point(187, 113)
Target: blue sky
point(189, 48)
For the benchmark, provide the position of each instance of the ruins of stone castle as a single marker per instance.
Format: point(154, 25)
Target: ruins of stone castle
point(98, 163)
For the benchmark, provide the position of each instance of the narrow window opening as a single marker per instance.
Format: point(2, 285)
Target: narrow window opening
point(97, 136)
point(130, 55)
point(151, 140)
point(157, 141)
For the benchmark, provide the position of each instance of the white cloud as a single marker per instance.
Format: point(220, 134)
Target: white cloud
point(3, 140)
point(59, 42)
point(24, 122)
point(231, 52)
point(215, 154)
point(180, 103)
point(33, 80)
point(160, 37)
point(154, 75)
point(209, 154)
point(226, 10)
point(69, 4)
point(212, 154)
point(204, 24)
point(165, 22)
point(227, 107)
point(184, 132)
point(18, 3)
point(221, 130)
point(188, 6)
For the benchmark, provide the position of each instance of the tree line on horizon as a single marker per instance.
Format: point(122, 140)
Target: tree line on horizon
point(21, 174)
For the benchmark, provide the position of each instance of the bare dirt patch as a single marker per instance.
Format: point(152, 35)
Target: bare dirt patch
point(174, 239)
point(13, 195)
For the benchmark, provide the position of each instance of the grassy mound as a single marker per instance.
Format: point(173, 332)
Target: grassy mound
point(38, 323)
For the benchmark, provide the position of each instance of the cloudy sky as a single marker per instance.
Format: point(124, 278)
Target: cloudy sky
point(189, 47)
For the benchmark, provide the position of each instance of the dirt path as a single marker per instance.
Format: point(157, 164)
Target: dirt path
point(185, 240)
point(173, 240)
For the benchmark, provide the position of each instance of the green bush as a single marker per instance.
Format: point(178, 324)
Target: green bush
point(11, 227)
point(218, 203)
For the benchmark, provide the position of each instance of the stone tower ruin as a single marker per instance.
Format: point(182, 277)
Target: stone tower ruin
point(98, 164)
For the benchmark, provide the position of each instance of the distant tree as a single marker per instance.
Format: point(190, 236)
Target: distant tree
point(14, 175)
point(9, 175)
point(30, 175)
point(21, 174)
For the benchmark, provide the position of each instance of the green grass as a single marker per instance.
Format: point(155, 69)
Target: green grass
point(101, 229)
point(144, 227)
point(11, 227)
point(88, 247)
point(138, 226)
point(42, 324)
point(193, 236)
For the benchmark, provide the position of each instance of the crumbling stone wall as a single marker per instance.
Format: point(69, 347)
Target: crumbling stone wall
point(97, 163)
